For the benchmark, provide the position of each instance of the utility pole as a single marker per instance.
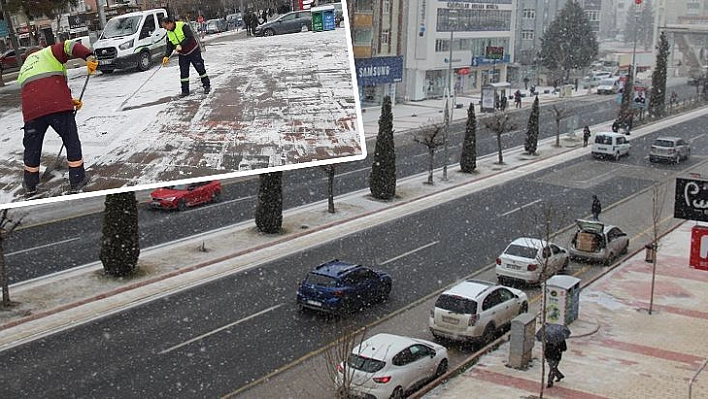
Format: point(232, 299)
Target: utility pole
point(101, 12)
point(449, 106)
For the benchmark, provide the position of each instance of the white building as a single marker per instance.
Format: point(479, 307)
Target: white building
point(481, 45)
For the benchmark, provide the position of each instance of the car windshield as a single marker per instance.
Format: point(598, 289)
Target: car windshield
point(365, 364)
point(321, 280)
point(602, 139)
point(664, 143)
point(178, 187)
point(456, 304)
point(607, 82)
point(119, 27)
point(521, 251)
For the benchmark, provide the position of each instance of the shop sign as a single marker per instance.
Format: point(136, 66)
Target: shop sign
point(691, 199)
point(494, 52)
point(378, 70)
point(76, 21)
point(421, 28)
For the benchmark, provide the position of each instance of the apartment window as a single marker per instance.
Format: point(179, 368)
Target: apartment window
point(529, 13)
point(593, 16)
point(364, 5)
point(442, 46)
point(527, 35)
point(362, 37)
point(386, 6)
point(386, 37)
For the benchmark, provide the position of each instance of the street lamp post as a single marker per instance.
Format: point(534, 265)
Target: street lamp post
point(449, 106)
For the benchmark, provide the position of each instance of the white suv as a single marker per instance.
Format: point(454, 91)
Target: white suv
point(475, 311)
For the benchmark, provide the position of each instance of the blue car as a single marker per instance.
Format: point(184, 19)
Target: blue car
point(337, 287)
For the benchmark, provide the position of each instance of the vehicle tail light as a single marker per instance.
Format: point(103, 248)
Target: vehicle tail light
point(382, 380)
point(340, 368)
point(338, 293)
point(532, 267)
point(498, 261)
point(473, 320)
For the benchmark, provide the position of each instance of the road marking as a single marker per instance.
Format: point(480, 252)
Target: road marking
point(222, 202)
point(409, 252)
point(520, 208)
point(352, 172)
point(697, 137)
point(42, 246)
point(170, 349)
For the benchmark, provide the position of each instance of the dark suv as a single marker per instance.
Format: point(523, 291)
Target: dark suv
point(338, 286)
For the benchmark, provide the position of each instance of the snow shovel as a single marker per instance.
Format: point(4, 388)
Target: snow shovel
point(50, 168)
point(120, 107)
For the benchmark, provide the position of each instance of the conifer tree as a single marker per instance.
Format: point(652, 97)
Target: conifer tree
point(468, 158)
point(120, 242)
point(382, 180)
point(269, 210)
point(531, 143)
point(657, 96)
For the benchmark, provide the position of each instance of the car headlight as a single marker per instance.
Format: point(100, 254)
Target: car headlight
point(170, 199)
point(126, 45)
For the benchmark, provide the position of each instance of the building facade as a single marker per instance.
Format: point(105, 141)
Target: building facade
point(478, 34)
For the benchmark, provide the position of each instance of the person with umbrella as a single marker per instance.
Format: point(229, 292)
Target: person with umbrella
point(553, 350)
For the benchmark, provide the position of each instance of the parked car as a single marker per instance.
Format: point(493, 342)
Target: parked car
point(610, 145)
point(524, 260)
point(391, 366)
point(292, 22)
point(475, 311)
point(217, 25)
point(671, 149)
point(182, 196)
point(8, 59)
point(596, 241)
point(610, 86)
point(337, 286)
point(234, 20)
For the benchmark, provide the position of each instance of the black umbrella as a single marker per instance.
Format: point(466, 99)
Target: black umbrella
point(555, 333)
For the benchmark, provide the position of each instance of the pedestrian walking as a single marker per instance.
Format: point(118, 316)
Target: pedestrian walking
point(596, 208)
point(616, 124)
point(180, 39)
point(247, 22)
point(503, 102)
point(553, 352)
point(254, 22)
point(586, 135)
point(628, 121)
point(264, 16)
point(517, 98)
point(47, 101)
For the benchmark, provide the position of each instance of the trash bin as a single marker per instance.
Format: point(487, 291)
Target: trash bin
point(651, 253)
point(323, 18)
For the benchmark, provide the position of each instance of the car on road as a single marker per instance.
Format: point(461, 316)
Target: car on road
point(181, 196)
point(598, 242)
point(611, 85)
point(529, 260)
point(337, 287)
point(391, 366)
point(610, 145)
point(216, 25)
point(8, 59)
point(475, 311)
point(671, 149)
point(292, 22)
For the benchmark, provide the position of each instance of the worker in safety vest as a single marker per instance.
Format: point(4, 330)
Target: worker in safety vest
point(180, 38)
point(47, 101)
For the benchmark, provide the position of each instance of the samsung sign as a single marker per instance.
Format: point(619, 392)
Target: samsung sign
point(378, 70)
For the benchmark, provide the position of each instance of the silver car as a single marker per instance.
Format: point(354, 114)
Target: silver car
point(671, 149)
point(292, 22)
point(598, 242)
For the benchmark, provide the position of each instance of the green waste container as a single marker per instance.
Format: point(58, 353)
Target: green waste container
point(323, 18)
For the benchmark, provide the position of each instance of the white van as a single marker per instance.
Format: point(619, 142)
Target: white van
point(610, 145)
point(131, 40)
point(609, 86)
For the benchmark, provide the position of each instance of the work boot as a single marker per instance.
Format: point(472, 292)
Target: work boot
point(184, 94)
point(77, 187)
point(30, 181)
point(207, 89)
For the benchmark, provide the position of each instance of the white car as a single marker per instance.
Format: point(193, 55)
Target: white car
point(475, 311)
point(610, 145)
point(596, 241)
point(526, 259)
point(671, 149)
point(391, 366)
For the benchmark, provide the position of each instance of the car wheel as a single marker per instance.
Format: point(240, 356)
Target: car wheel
point(182, 205)
point(524, 308)
point(442, 368)
point(269, 32)
point(385, 292)
point(216, 196)
point(490, 332)
point(617, 156)
point(609, 259)
point(625, 249)
point(144, 61)
point(398, 393)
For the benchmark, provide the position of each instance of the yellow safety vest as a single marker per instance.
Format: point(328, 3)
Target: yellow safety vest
point(176, 36)
point(42, 64)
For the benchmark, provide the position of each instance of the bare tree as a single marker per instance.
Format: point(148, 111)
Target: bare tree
point(432, 136)
point(499, 123)
point(336, 355)
point(331, 170)
point(7, 226)
point(657, 205)
point(558, 115)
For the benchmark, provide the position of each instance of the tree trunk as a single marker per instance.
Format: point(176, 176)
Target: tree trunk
point(330, 188)
point(3, 276)
point(431, 164)
point(558, 132)
point(499, 147)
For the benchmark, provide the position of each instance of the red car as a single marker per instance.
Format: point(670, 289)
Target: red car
point(8, 60)
point(185, 195)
